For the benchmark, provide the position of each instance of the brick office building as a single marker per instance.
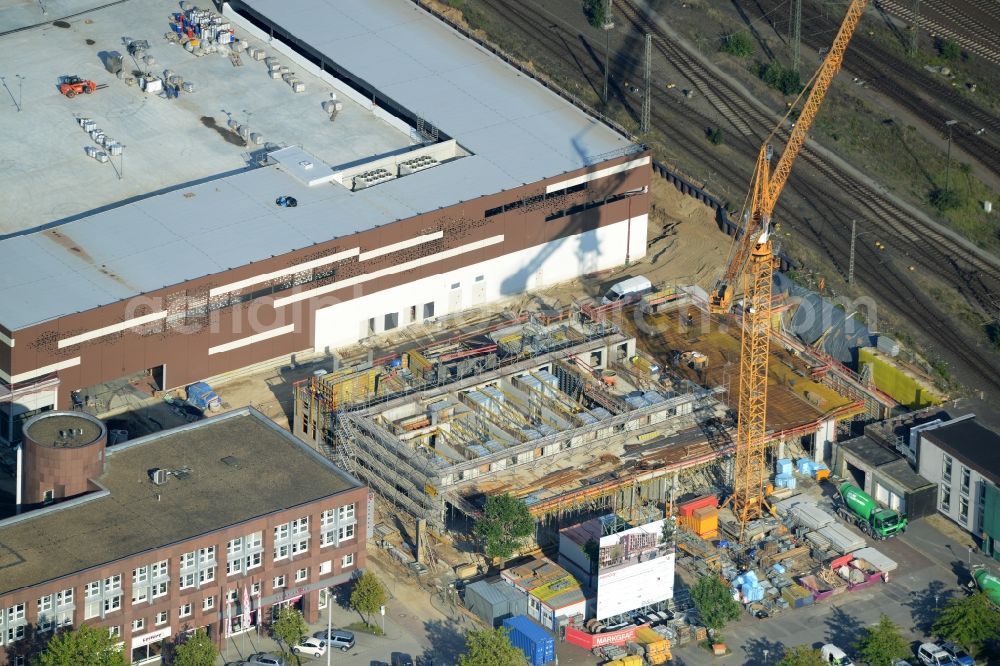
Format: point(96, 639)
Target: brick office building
point(240, 510)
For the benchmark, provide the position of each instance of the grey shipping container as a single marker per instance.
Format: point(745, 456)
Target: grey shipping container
point(495, 602)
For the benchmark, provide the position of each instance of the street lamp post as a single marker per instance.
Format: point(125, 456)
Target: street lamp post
point(765, 657)
point(854, 237)
point(947, 166)
point(331, 599)
point(608, 25)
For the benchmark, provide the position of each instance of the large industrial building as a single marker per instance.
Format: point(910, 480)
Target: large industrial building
point(448, 180)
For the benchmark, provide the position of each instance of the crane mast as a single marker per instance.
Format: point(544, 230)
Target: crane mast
point(753, 260)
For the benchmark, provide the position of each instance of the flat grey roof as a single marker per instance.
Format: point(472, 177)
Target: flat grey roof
point(971, 442)
point(274, 471)
point(517, 130)
point(901, 472)
point(869, 450)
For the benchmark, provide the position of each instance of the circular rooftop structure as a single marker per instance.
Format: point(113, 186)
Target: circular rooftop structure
point(64, 429)
point(63, 452)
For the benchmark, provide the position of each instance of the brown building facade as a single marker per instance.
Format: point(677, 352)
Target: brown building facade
point(150, 561)
point(540, 193)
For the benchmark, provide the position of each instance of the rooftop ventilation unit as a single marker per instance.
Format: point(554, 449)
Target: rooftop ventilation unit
point(416, 164)
point(159, 476)
point(373, 177)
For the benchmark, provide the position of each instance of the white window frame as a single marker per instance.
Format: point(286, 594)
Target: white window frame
point(184, 610)
point(347, 561)
point(302, 574)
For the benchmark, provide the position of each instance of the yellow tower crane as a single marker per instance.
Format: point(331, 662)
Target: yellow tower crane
point(752, 259)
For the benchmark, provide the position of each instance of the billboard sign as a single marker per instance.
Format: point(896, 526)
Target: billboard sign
point(635, 569)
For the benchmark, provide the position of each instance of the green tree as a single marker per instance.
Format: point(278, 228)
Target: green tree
point(882, 644)
point(969, 621)
point(596, 12)
point(715, 135)
point(83, 646)
point(802, 655)
point(506, 522)
point(737, 44)
point(714, 602)
point(945, 200)
point(490, 647)
point(948, 49)
point(196, 649)
point(368, 596)
point(289, 627)
point(780, 78)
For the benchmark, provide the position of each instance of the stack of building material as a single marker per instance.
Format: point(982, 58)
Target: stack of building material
point(656, 647)
point(841, 539)
point(797, 596)
point(816, 470)
point(810, 516)
point(748, 587)
point(876, 558)
point(628, 660)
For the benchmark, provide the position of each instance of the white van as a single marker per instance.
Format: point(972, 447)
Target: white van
point(834, 656)
point(629, 290)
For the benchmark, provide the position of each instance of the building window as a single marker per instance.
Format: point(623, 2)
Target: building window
point(47, 496)
point(113, 583)
point(325, 567)
point(115, 631)
point(301, 575)
point(346, 512)
point(346, 532)
point(963, 508)
point(138, 625)
point(966, 480)
point(206, 576)
point(280, 552)
point(112, 603)
point(480, 278)
point(255, 589)
point(428, 310)
point(184, 611)
point(300, 547)
point(234, 567)
point(206, 555)
point(946, 469)
point(208, 603)
point(159, 589)
point(161, 618)
point(946, 498)
point(45, 613)
point(347, 561)
point(279, 582)
point(161, 569)
point(456, 285)
point(254, 560)
point(391, 321)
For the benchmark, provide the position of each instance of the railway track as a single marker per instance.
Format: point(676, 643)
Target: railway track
point(978, 135)
point(977, 35)
point(977, 277)
point(875, 272)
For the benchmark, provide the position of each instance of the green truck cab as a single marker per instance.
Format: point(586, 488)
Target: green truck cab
point(861, 509)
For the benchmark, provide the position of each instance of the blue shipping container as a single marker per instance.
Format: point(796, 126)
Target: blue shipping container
point(528, 637)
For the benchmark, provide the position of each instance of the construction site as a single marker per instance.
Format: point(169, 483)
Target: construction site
point(582, 412)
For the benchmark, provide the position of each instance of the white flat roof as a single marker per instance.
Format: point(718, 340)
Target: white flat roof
point(517, 131)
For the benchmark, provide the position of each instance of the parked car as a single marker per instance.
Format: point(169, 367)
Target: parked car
point(834, 656)
point(901, 662)
point(314, 647)
point(264, 659)
point(957, 654)
point(932, 655)
point(337, 639)
point(401, 659)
